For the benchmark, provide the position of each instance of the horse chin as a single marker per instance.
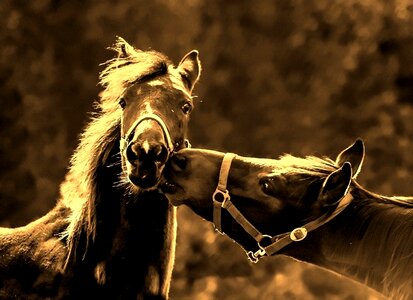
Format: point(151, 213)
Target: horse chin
point(174, 201)
point(172, 192)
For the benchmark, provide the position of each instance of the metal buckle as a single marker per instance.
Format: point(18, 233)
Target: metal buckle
point(298, 234)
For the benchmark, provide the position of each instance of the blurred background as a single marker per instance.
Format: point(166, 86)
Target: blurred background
point(287, 76)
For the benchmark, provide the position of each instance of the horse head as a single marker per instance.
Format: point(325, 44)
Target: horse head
point(273, 196)
point(155, 103)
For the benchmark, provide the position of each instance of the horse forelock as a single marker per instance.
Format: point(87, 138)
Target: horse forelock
point(122, 71)
point(308, 166)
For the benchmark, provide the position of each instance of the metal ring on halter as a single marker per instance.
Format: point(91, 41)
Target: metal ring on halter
point(254, 257)
point(224, 194)
point(265, 241)
point(218, 199)
point(187, 144)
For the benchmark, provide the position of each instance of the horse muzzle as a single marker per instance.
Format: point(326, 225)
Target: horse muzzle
point(145, 149)
point(145, 162)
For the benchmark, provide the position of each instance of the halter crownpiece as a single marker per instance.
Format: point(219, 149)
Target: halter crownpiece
point(268, 245)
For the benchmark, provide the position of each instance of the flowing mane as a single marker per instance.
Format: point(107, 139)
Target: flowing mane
point(310, 165)
point(79, 190)
point(384, 224)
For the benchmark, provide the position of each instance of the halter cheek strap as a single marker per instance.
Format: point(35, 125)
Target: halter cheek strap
point(221, 194)
point(222, 199)
point(268, 245)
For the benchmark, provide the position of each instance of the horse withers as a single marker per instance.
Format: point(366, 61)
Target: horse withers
point(112, 233)
point(308, 208)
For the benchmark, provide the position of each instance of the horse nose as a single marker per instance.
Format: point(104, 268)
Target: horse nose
point(147, 151)
point(178, 162)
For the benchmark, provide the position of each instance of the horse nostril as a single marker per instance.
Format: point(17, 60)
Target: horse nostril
point(147, 152)
point(131, 153)
point(179, 162)
point(161, 153)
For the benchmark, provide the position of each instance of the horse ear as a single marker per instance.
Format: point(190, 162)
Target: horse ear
point(335, 186)
point(190, 68)
point(353, 154)
point(123, 48)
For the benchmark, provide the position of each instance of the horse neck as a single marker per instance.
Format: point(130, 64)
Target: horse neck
point(134, 237)
point(370, 241)
point(117, 238)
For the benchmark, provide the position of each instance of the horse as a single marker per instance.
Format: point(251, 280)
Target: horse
point(111, 234)
point(311, 209)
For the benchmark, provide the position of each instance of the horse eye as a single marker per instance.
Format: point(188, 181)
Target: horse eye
point(266, 186)
point(187, 108)
point(122, 103)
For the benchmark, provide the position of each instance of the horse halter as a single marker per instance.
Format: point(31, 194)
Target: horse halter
point(268, 245)
point(124, 141)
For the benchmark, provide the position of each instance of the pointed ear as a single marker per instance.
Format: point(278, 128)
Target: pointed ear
point(123, 48)
point(353, 154)
point(190, 68)
point(335, 186)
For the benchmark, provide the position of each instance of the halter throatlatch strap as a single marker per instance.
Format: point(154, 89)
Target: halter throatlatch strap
point(241, 220)
point(149, 116)
point(268, 245)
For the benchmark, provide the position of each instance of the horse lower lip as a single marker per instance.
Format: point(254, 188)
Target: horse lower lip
point(168, 188)
point(144, 183)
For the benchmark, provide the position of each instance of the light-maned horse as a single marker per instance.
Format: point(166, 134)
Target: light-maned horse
point(111, 234)
point(311, 209)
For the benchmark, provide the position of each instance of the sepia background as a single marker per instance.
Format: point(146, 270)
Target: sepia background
point(287, 76)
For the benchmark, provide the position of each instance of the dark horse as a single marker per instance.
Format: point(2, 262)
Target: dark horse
point(309, 208)
point(112, 233)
